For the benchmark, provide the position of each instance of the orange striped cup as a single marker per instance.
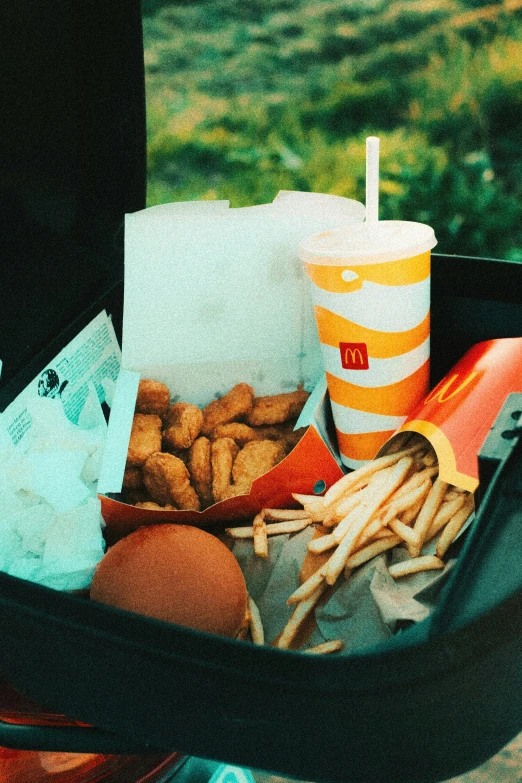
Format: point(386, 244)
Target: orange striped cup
point(371, 293)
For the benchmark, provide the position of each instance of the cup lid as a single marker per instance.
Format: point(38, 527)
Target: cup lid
point(368, 243)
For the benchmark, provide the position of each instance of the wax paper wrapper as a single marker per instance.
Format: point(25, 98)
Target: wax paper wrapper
point(51, 443)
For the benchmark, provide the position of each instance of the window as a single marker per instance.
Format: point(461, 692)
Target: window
point(246, 99)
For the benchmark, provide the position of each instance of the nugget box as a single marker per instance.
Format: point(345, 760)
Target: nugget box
point(214, 297)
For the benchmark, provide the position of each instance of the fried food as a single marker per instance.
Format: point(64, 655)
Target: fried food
point(156, 506)
point(223, 454)
point(132, 478)
point(277, 408)
point(153, 397)
point(188, 433)
point(233, 405)
point(236, 430)
point(168, 481)
point(290, 437)
point(396, 500)
point(242, 433)
point(135, 496)
point(145, 438)
point(200, 468)
point(254, 459)
point(183, 422)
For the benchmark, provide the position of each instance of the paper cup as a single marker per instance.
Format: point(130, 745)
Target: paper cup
point(371, 293)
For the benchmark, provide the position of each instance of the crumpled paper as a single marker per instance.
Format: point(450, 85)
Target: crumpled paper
point(362, 611)
point(50, 517)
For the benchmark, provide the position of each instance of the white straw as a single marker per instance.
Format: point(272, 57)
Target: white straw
point(372, 179)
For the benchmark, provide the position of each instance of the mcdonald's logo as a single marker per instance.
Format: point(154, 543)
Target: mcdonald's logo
point(447, 389)
point(354, 356)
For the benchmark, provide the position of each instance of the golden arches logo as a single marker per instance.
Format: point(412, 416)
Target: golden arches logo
point(442, 392)
point(354, 356)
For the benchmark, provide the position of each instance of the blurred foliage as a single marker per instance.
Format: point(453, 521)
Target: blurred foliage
point(246, 99)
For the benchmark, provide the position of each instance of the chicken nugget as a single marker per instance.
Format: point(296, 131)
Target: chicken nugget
point(291, 438)
point(135, 496)
point(268, 432)
point(182, 425)
point(254, 460)
point(200, 468)
point(284, 433)
point(234, 404)
point(168, 482)
point(153, 397)
point(277, 408)
point(145, 438)
point(223, 454)
point(155, 506)
point(236, 430)
point(132, 478)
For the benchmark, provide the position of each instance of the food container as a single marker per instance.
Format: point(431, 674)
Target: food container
point(432, 702)
point(214, 297)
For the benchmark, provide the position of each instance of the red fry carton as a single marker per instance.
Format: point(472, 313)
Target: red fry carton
point(214, 297)
point(458, 412)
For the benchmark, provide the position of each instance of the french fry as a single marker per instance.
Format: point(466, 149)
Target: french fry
point(446, 511)
point(244, 628)
point(384, 532)
point(410, 514)
point(401, 502)
point(371, 550)
point(345, 524)
point(245, 531)
point(334, 645)
point(299, 615)
point(290, 526)
point(312, 504)
point(373, 529)
point(337, 561)
point(348, 481)
point(256, 625)
point(400, 441)
point(405, 532)
point(308, 587)
point(397, 498)
point(284, 514)
point(454, 526)
point(367, 510)
point(426, 514)
point(414, 565)
point(322, 543)
point(260, 536)
point(454, 492)
point(430, 458)
point(339, 510)
point(274, 529)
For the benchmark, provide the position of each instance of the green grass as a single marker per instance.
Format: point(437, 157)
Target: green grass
point(246, 99)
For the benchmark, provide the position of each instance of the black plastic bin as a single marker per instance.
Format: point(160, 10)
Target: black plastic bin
point(432, 702)
point(435, 700)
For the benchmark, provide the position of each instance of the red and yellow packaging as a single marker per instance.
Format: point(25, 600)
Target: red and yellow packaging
point(459, 411)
